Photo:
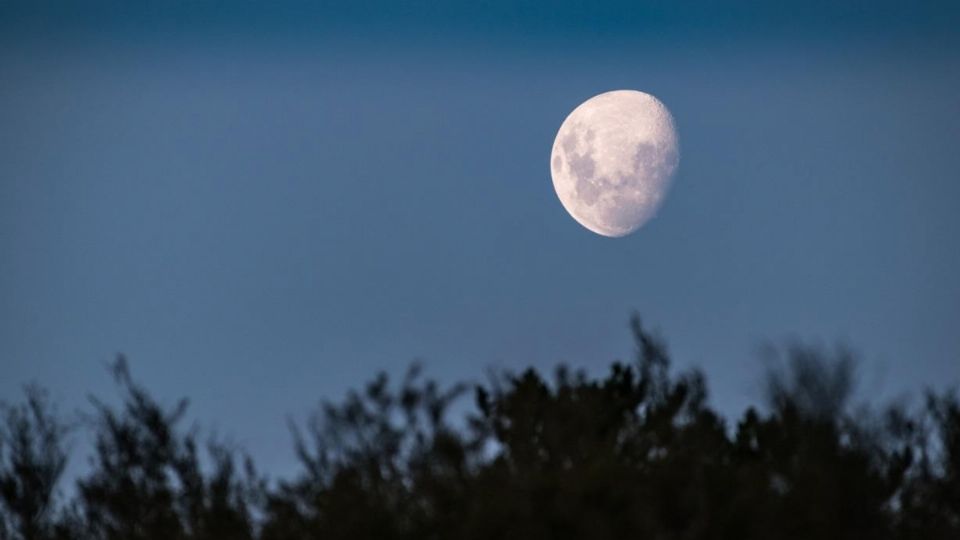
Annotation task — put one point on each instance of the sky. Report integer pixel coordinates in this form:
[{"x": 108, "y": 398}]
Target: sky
[{"x": 264, "y": 204}]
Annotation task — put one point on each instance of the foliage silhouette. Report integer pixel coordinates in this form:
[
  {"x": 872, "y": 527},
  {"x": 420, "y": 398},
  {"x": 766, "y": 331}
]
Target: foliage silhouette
[
  {"x": 32, "y": 459},
  {"x": 637, "y": 453}
]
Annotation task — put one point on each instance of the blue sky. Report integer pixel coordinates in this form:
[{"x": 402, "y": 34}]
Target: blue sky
[{"x": 263, "y": 207}]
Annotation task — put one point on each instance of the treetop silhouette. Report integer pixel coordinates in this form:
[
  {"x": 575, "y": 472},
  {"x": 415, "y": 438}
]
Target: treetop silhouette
[{"x": 637, "y": 453}]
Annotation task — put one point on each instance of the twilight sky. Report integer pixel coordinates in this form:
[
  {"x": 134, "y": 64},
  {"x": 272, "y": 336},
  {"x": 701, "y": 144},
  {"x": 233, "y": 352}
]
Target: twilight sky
[{"x": 263, "y": 206}]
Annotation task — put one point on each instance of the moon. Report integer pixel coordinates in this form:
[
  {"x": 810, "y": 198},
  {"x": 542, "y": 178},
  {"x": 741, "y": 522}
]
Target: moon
[{"x": 613, "y": 159}]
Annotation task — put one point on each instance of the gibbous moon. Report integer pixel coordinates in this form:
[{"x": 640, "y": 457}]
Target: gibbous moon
[{"x": 613, "y": 160}]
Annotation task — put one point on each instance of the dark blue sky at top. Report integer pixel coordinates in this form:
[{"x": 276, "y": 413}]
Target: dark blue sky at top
[{"x": 262, "y": 205}]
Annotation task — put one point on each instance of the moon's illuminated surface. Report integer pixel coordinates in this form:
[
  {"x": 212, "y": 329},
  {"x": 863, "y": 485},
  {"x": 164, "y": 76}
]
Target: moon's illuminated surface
[{"x": 613, "y": 160}]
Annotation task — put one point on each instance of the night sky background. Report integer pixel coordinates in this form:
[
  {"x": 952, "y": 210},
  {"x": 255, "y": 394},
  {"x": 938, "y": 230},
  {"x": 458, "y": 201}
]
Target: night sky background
[{"x": 262, "y": 204}]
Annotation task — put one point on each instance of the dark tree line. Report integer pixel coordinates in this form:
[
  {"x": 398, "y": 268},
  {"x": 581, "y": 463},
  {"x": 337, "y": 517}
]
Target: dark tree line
[{"x": 637, "y": 453}]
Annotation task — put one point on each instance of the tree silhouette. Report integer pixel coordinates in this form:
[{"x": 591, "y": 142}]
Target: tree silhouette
[
  {"x": 148, "y": 481},
  {"x": 637, "y": 453},
  {"x": 32, "y": 459}
]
